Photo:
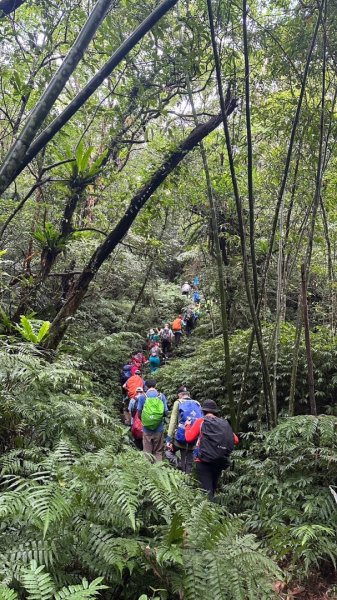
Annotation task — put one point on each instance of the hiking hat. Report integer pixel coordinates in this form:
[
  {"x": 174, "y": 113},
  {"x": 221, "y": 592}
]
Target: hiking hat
[
  {"x": 182, "y": 390},
  {"x": 137, "y": 371},
  {"x": 210, "y": 406},
  {"x": 139, "y": 389}
]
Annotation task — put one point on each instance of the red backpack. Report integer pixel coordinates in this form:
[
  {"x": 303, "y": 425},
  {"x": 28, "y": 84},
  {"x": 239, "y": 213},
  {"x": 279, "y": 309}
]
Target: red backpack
[{"x": 137, "y": 427}]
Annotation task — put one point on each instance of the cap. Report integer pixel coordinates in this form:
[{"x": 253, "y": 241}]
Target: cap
[
  {"x": 210, "y": 406},
  {"x": 182, "y": 390},
  {"x": 139, "y": 389},
  {"x": 137, "y": 371}
]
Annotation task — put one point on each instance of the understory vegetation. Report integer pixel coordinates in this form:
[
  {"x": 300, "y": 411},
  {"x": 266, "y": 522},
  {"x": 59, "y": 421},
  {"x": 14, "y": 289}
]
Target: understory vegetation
[{"x": 142, "y": 145}]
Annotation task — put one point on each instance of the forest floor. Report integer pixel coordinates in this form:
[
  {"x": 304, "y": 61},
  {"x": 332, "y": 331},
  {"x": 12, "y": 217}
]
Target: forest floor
[{"x": 315, "y": 589}]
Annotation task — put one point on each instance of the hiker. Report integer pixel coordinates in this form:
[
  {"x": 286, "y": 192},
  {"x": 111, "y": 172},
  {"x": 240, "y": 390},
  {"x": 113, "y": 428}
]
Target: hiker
[
  {"x": 177, "y": 328},
  {"x": 138, "y": 360},
  {"x": 154, "y": 358},
  {"x": 150, "y": 339},
  {"x": 125, "y": 374},
  {"x": 133, "y": 383},
  {"x": 196, "y": 282},
  {"x": 196, "y": 297},
  {"x": 183, "y": 409},
  {"x": 215, "y": 443},
  {"x": 135, "y": 422},
  {"x": 185, "y": 288},
  {"x": 152, "y": 409},
  {"x": 166, "y": 336},
  {"x": 189, "y": 319}
]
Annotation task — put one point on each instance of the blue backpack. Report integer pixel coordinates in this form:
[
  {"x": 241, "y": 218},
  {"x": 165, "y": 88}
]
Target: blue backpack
[{"x": 187, "y": 409}]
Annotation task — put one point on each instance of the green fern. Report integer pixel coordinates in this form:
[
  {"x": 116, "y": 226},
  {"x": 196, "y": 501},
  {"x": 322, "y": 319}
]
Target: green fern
[
  {"x": 78, "y": 592},
  {"x": 37, "y": 582},
  {"x": 7, "y": 594}
]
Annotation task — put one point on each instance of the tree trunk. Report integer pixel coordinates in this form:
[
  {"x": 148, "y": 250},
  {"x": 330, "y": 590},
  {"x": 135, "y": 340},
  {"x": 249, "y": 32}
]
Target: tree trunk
[
  {"x": 249, "y": 154},
  {"x": 219, "y": 261},
  {"x": 80, "y": 287},
  {"x": 47, "y": 134},
  {"x": 16, "y": 155},
  {"x": 311, "y": 381},
  {"x": 297, "y": 343},
  {"x": 256, "y": 324},
  {"x": 147, "y": 275}
]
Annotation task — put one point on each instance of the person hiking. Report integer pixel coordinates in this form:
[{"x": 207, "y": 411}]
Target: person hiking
[
  {"x": 152, "y": 409},
  {"x": 177, "y": 328},
  {"x": 196, "y": 297},
  {"x": 185, "y": 288},
  {"x": 189, "y": 321},
  {"x": 125, "y": 374},
  {"x": 133, "y": 383},
  {"x": 154, "y": 358},
  {"x": 215, "y": 443},
  {"x": 138, "y": 360},
  {"x": 166, "y": 336},
  {"x": 183, "y": 409},
  {"x": 135, "y": 422},
  {"x": 196, "y": 282},
  {"x": 150, "y": 339}
]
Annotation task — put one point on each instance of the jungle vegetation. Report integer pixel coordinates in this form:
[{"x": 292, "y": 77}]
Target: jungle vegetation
[{"x": 143, "y": 143}]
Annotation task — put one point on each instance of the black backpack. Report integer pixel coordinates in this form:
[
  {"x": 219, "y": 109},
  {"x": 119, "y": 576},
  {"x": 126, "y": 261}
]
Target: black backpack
[{"x": 216, "y": 440}]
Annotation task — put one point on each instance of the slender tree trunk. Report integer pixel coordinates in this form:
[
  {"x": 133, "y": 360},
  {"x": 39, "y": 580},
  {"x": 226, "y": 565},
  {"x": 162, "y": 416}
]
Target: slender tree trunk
[
  {"x": 290, "y": 150},
  {"x": 16, "y": 155},
  {"x": 330, "y": 267},
  {"x": 48, "y": 133},
  {"x": 311, "y": 381},
  {"x": 80, "y": 287},
  {"x": 147, "y": 275},
  {"x": 219, "y": 261},
  {"x": 281, "y": 191},
  {"x": 279, "y": 293},
  {"x": 249, "y": 154},
  {"x": 270, "y": 412},
  {"x": 297, "y": 343}
]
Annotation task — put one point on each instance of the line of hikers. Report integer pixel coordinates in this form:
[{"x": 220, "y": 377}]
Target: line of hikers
[
  {"x": 195, "y": 431},
  {"x": 159, "y": 341}
]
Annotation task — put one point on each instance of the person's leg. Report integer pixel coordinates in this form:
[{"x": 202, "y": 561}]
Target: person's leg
[
  {"x": 186, "y": 460},
  {"x": 217, "y": 469},
  {"x": 216, "y": 472},
  {"x": 205, "y": 477},
  {"x": 164, "y": 347},
  {"x": 158, "y": 445},
  {"x": 147, "y": 442},
  {"x": 138, "y": 444}
]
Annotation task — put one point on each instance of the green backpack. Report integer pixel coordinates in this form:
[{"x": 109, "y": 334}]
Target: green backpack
[{"x": 153, "y": 412}]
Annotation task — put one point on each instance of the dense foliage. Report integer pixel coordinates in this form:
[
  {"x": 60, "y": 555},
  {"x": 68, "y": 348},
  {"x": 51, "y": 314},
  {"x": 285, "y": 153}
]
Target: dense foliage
[{"x": 101, "y": 221}]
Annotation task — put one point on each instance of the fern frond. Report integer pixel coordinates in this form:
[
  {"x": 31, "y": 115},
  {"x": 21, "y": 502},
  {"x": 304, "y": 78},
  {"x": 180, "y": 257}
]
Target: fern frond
[
  {"x": 38, "y": 584},
  {"x": 6, "y": 593}
]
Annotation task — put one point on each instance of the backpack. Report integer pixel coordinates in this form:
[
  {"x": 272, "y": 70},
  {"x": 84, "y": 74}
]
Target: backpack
[
  {"x": 176, "y": 325},
  {"x": 187, "y": 409},
  {"x": 125, "y": 373},
  {"x": 153, "y": 411},
  {"x": 216, "y": 440},
  {"x": 137, "y": 427},
  {"x": 189, "y": 317},
  {"x": 165, "y": 335}
]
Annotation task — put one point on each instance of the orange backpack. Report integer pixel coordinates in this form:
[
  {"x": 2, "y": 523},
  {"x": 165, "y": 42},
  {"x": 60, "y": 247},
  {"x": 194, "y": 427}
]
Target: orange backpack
[{"x": 176, "y": 325}]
